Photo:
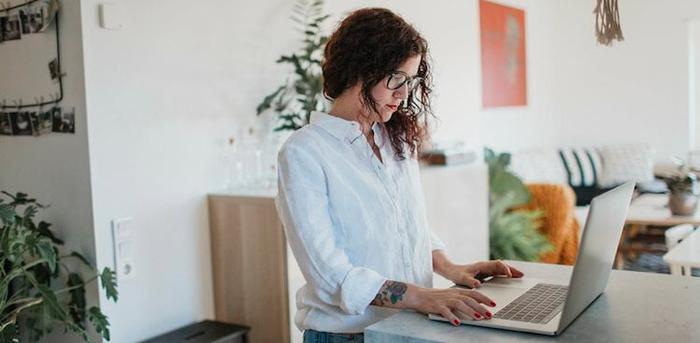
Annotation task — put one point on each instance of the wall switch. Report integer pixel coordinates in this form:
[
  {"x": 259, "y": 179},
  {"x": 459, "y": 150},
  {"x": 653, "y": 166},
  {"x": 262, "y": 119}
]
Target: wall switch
[
  {"x": 123, "y": 248},
  {"x": 111, "y": 16}
]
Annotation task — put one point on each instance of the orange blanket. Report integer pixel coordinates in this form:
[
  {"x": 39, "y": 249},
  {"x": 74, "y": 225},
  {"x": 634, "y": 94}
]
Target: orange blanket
[{"x": 558, "y": 222}]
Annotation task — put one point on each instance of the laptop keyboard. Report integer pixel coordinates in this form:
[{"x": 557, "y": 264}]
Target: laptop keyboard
[{"x": 538, "y": 305}]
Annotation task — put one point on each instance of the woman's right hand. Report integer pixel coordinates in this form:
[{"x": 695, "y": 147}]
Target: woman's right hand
[{"x": 451, "y": 303}]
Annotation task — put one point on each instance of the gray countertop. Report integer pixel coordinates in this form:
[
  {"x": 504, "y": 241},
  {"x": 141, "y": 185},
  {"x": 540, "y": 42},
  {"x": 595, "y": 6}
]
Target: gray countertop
[{"x": 636, "y": 307}]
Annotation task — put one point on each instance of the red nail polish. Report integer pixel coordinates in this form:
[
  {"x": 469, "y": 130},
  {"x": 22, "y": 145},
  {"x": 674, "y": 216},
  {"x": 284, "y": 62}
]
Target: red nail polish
[
  {"x": 488, "y": 314},
  {"x": 455, "y": 322},
  {"x": 493, "y": 303},
  {"x": 477, "y": 315}
]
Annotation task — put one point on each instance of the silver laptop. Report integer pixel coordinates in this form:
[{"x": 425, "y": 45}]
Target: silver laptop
[{"x": 548, "y": 307}]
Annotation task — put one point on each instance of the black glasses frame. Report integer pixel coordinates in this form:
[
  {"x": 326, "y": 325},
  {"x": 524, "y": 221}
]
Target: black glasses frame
[{"x": 413, "y": 82}]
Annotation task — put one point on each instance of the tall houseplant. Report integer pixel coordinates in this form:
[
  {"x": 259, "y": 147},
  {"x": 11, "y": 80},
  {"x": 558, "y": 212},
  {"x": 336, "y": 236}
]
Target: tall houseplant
[
  {"x": 302, "y": 93},
  {"x": 38, "y": 289},
  {"x": 513, "y": 234}
]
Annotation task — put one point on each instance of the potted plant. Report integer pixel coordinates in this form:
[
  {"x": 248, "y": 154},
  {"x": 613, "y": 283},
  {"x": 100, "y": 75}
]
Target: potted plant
[
  {"x": 302, "y": 93},
  {"x": 39, "y": 290},
  {"x": 683, "y": 191},
  {"x": 513, "y": 231}
]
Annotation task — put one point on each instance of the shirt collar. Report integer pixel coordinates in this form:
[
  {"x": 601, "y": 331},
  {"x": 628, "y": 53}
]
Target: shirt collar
[{"x": 340, "y": 128}]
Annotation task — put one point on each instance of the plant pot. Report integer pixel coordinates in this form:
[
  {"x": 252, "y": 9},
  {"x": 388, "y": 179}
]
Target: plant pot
[{"x": 682, "y": 204}]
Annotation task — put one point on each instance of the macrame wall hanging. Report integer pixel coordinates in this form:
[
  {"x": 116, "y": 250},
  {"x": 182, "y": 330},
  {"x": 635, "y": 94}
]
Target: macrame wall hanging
[{"x": 607, "y": 22}]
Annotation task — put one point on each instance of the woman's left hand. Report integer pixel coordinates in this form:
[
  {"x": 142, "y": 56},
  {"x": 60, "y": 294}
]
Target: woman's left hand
[{"x": 465, "y": 275}]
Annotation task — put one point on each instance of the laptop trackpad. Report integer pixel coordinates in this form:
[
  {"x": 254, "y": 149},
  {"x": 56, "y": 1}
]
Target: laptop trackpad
[{"x": 505, "y": 290}]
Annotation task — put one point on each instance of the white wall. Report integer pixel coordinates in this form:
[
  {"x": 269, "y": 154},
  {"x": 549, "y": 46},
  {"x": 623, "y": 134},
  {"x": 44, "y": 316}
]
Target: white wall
[
  {"x": 581, "y": 93},
  {"x": 164, "y": 93},
  {"x": 451, "y": 29},
  {"x": 55, "y": 168}
]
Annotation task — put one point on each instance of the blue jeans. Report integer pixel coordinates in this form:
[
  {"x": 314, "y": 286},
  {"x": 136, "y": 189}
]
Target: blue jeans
[{"x": 311, "y": 336}]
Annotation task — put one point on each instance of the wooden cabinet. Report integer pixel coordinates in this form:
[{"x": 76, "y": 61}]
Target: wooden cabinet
[
  {"x": 249, "y": 266},
  {"x": 256, "y": 276}
]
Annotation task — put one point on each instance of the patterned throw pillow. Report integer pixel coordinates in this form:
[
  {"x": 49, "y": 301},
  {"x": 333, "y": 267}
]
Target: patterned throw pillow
[
  {"x": 582, "y": 166},
  {"x": 622, "y": 163}
]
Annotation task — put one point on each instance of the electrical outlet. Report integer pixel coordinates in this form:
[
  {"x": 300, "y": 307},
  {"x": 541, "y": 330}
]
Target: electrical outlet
[{"x": 123, "y": 248}]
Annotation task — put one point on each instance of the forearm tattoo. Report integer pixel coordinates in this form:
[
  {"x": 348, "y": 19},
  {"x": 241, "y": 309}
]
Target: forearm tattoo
[{"x": 390, "y": 293}]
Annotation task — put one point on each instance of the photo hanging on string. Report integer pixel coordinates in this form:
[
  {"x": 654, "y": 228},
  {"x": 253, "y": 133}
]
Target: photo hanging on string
[
  {"x": 63, "y": 121},
  {"x": 68, "y": 120},
  {"x": 34, "y": 117},
  {"x": 21, "y": 124},
  {"x": 45, "y": 121},
  {"x": 32, "y": 19},
  {"x": 56, "y": 119},
  {"x": 5, "y": 124},
  {"x": 10, "y": 27}
]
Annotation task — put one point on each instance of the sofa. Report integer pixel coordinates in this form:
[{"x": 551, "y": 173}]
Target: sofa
[{"x": 589, "y": 171}]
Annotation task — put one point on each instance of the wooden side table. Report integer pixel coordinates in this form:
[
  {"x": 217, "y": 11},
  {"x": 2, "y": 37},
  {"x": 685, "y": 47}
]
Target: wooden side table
[{"x": 645, "y": 211}]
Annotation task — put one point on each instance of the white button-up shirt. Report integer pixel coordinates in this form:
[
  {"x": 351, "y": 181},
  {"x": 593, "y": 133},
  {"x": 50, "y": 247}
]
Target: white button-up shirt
[{"x": 352, "y": 222}]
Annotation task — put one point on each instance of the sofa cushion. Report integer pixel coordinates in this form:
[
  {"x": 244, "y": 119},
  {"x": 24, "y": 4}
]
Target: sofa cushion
[
  {"x": 622, "y": 163},
  {"x": 582, "y": 166},
  {"x": 538, "y": 165}
]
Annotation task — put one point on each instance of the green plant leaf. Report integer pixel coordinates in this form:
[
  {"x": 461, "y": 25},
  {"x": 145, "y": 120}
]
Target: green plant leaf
[
  {"x": 267, "y": 101},
  {"x": 513, "y": 234},
  {"x": 29, "y": 212},
  {"x": 46, "y": 250},
  {"x": 305, "y": 76},
  {"x": 81, "y": 258},
  {"x": 44, "y": 230},
  {"x": 99, "y": 322},
  {"x": 77, "y": 302},
  {"x": 7, "y": 214},
  {"x": 51, "y": 301},
  {"x": 109, "y": 283}
]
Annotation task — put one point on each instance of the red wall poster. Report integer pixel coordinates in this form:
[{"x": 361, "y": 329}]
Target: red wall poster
[{"x": 503, "y": 68}]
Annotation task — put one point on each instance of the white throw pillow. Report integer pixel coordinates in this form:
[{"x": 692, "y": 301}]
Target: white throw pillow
[
  {"x": 538, "y": 165},
  {"x": 622, "y": 163}
]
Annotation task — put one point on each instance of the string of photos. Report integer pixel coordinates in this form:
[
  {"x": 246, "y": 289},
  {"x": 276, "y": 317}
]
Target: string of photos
[{"x": 44, "y": 115}]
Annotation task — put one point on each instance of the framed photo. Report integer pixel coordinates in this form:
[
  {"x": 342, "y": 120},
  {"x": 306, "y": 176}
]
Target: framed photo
[{"x": 503, "y": 59}]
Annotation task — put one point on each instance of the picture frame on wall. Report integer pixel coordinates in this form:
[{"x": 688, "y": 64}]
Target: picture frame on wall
[{"x": 503, "y": 55}]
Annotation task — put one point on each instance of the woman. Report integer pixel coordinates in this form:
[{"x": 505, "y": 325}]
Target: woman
[{"x": 350, "y": 196}]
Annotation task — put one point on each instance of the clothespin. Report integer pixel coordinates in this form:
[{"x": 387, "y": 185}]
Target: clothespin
[{"x": 39, "y": 103}]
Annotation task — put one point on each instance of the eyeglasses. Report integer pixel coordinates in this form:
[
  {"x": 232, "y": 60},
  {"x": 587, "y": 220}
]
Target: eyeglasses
[{"x": 398, "y": 78}]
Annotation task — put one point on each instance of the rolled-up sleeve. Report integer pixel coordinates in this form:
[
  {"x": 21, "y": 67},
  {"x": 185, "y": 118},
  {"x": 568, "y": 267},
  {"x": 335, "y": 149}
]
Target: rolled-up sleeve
[
  {"x": 436, "y": 243},
  {"x": 303, "y": 206}
]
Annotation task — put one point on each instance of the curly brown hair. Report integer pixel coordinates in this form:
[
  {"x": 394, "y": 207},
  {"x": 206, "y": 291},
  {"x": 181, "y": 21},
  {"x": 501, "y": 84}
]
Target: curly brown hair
[{"x": 367, "y": 45}]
